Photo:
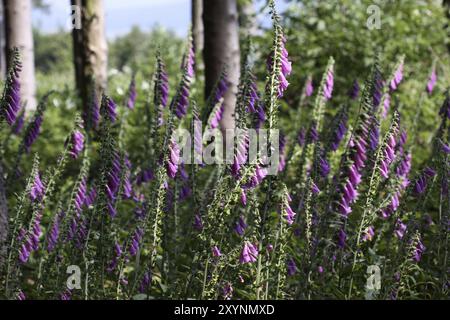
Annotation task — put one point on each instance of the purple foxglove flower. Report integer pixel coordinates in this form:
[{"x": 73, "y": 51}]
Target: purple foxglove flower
[
  {"x": 400, "y": 229},
  {"x": 135, "y": 241},
  {"x": 386, "y": 105},
  {"x": 115, "y": 260},
  {"x": 320, "y": 269},
  {"x": 114, "y": 176},
  {"x": 314, "y": 188},
  {"x": 227, "y": 291},
  {"x": 18, "y": 125},
  {"x": 249, "y": 253},
  {"x": 240, "y": 226},
  {"x": 80, "y": 196},
  {"x": 217, "y": 116},
  {"x": 12, "y": 92},
  {"x": 185, "y": 192},
  {"x": 289, "y": 214},
  {"x": 37, "y": 189},
  {"x": 422, "y": 182},
  {"x": 309, "y": 89},
  {"x": 398, "y": 76},
  {"x": 301, "y": 137},
  {"x": 33, "y": 132},
  {"x": 418, "y": 251},
  {"x": 261, "y": 117},
  {"x": 269, "y": 247},
  {"x": 145, "y": 282},
  {"x": 161, "y": 85},
  {"x": 354, "y": 91},
  {"x": 329, "y": 83},
  {"x": 252, "y": 97},
  {"x": 174, "y": 159},
  {"x": 21, "y": 296},
  {"x": 216, "y": 251},
  {"x": 198, "y": 224},
  {"x": 111, "y": 109},
  {"x": 132, "y": 94},
  {"x": 374, "y": 137},
  {"x": 220, "y": 90},
  {"x": 241, "y": 155},
  {"x": 368, "y": 234},
  {"x": 377, "y": 92},
  {"x": 24, "y": 253},
  {"x": 90, "y": 198},
  {"x": 291, "y": 267},
  {"x": 313, "y": 134},
  {"x": 76, "y": 144},
  {"x": 431, "y": 81},
  {"x": 244, "y": 198},
  {"x": 53, "y": 233},
  {"x": 182, "y": 99},
  {"x": 66, "y": 295},
  {"x": 342, "y": 237},
  {"x": 144, "y": 176},
  {"x": 344, "y": 207},
  {"x": 285, "y": 66},
  {"x": 190, "y": 62},
  {"x": 324, "y": 167},
  {"x": 339, "y": 134},
  {"x": 111, "y": 210},
  {"x": 446, "y": 148},
  {"x": 257, "y": 178}
]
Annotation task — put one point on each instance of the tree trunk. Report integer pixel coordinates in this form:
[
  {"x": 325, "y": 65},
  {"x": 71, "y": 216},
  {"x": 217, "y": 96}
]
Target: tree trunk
[
  {"x": 197, "y": 26},
  {"x": 19, "y": 33},
  {"x": 90, "y": 49},
  {"x": 221, "y": 49}
]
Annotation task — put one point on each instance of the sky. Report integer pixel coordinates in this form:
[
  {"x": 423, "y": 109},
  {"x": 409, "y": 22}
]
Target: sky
[{"x": 122, "y": 15}]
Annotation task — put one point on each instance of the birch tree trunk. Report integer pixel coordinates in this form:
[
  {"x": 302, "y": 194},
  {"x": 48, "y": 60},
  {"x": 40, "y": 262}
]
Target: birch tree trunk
[
  {"x": 90, "y": 49},
  {"x": 221, "y": 49},
  {"x": 19, "y": 33}
]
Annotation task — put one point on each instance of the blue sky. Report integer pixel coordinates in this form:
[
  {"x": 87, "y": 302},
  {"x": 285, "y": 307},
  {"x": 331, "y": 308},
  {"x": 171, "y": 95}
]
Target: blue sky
[{"x": 122, "y": 15}]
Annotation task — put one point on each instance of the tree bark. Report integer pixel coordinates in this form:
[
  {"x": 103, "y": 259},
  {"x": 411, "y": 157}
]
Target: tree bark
[
  {"x": 221, "y": 50},
  {"x": 19, "y": 33},
  {"x": 90, "y": 49},
  {"x": 247, "y": 18},
  {"x": 197, "y": 26}
]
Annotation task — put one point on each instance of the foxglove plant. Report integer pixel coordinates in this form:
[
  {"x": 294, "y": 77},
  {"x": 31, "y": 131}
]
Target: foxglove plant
[{"x": 11, "y": 94}]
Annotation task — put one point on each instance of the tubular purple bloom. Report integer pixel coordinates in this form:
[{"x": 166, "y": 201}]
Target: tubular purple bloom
[
  {"x": 377, "y": 92},
  {"x": 285, "y": 66},
  {"x": 12, "y": 91},
  {"x": 244, "y": 198},
  {"x": 354, "y": 91},
  {"x": 339, "y": 133},
  {"x": 53, "y": 233},
  {"x": 135, "y": 241},
  {"x": 174, "y": 159},
  {"x": 324, "y": 167},
  {"x": 161, "y": 85},
  {"x": 242, "y": 142},
  {"x": 182, "y": 99},
  {"x": 111, "y": 109},
  {"x": 76, "y": 144},
  {"x": 33, "y": 132},
  {"x": 21, "y": 296},
  {"x": 18, "y": 125},
  {"x": 198, "y": 224},
  {"x": 37, "y": 189},
  {"x": 422, "y": 181},
  {"x": 132, "y": 94},
  {"x": 386, "y": 105},
  {"x": 80, "y": 197},
  {"x": 291, "y": 267},
  {"x": 374, "y": 137},
  {"x": 313, "y": 134},
  {"x": 115, "y": 260},
  {"x": 114, "y": 176},
  {"x": 216, "y": 251},
  {"x": 282, "y": 153},
  {"x": 240, "y": 226},
  {"x": 301, "y": 137},
  {"x": 398, "y": 76},
  {"x": 328, "y": 86},
  {"x": 111, "y": 209},
  {"x": 309, "y": 89},
  {"x": 227, "y": 291},
  {"x": 90, "y": 199},
  {"x": 261, "y": 116},
  {"x": 418, "y": 251},
  {"x": 431, "y": 81},
  {"x": 145, "y": 282},
  {"x": 314, "y": 188},
  {"x": 249, "y": 253},
  {"x": 446, "y": 148},
  {"x": 368, "y": 234},
  {"x": 342, "y": 237},
  {"x": 400, "y": 229},
  {"x": 445, "y": 109}
]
